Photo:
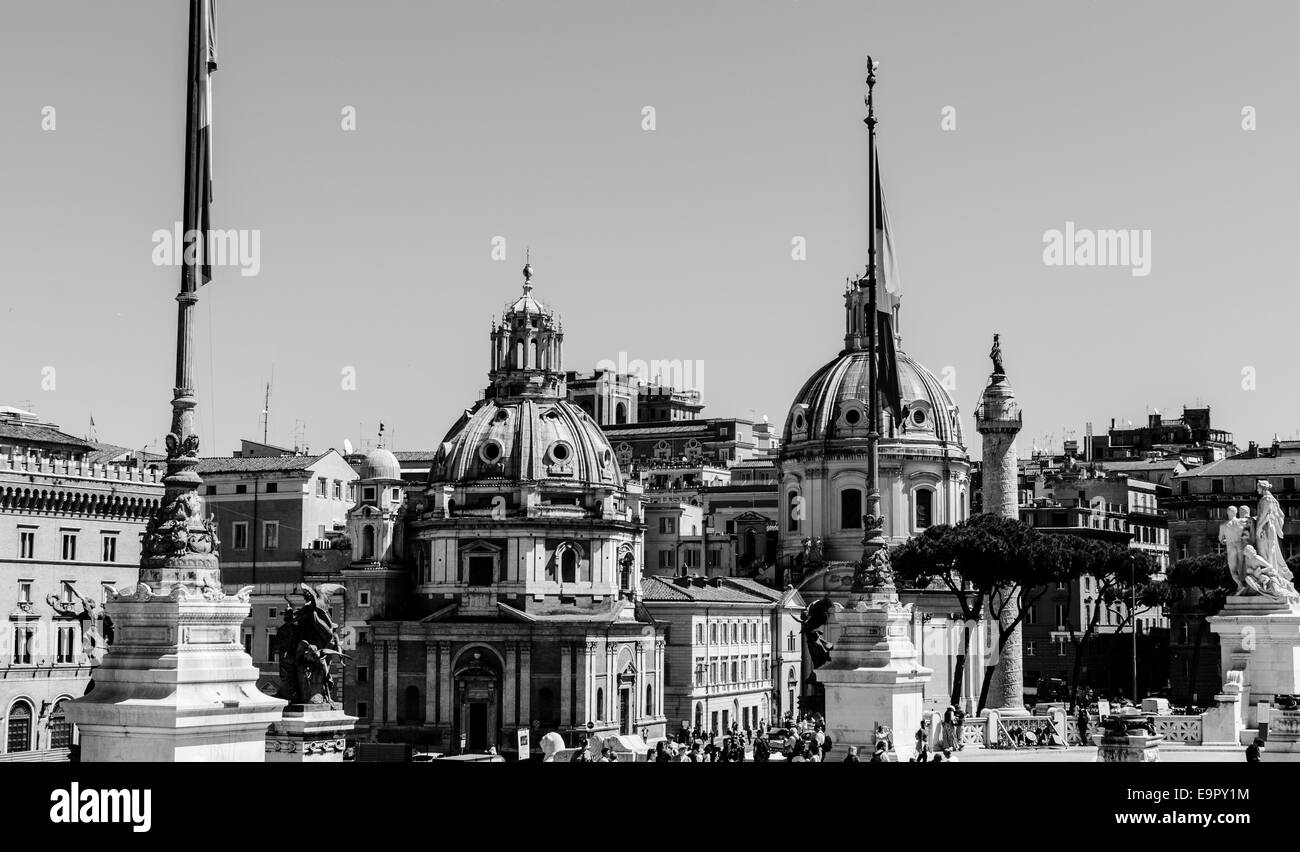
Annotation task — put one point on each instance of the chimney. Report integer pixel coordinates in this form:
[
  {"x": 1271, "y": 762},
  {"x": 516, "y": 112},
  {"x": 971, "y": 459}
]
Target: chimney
[
  {"x": 697, "y": 580},
  {"x": 715, "y": 582},
  {"x": 681, "y": 580}
]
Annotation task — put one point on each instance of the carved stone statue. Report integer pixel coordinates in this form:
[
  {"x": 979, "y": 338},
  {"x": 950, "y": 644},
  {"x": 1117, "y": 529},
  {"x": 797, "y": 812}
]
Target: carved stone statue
[
  {"x": 815, "y": 616},
  {"x": 996, "y": 354},
  {"x": 874, "y": 572},
  {"x": 1269, "y": 520},
  {"x": 86, "y": 611},
  {"x": 306, "y": 645},
  {"x": 1234, "y": 535},
  {"x": 1264, "y": 578}
]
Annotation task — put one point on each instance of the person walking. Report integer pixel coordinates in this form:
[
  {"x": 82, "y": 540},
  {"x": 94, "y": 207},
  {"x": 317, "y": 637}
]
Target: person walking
[
  {"x": 922, "y": 743},
  {"x": 881, "y": 754},
  {"x": 950, "y": 727},
  {"x": 1084, "y": 739},
  {"x": 852, "y": 756}
]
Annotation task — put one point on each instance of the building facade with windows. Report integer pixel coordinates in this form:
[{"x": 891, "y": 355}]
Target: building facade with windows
[
  {"x": 69, "y": 530},
  {"x": 729, "y": 657}
]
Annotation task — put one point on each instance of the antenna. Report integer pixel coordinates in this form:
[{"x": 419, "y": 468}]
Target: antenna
[{"x": 266, "y": 407}]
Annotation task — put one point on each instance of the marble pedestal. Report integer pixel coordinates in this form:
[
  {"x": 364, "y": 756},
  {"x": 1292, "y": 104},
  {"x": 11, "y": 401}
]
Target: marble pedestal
[
  {"x": 309, "y": 733},
  {"x": 874, "y": 676},
  {"x": 175, "y": 685},
  {"x": 1129, "y": 748},
  {"x": 1259, "y": 644},
  {"x": 1283, "y": 745}
]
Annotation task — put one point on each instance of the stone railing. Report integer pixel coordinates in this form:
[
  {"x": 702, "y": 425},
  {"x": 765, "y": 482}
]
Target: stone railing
[{"x": 1181, "y": 729}]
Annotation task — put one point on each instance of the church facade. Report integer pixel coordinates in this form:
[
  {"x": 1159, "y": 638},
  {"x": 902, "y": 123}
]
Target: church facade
[{"x": 521, "y": 608}]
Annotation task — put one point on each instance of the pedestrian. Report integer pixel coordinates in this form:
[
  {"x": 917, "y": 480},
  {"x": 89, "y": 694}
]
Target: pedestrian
[
  {"x": 959, "y": 716},
  {"x": 852, "y": 756},
  {"x": 949, "y": 756},
  {"x": 922, "y": 743},
  {"x": 761, "y": 750},
  {"x": 661, "y": 754},
  {"x": 827, "y": 745},
  {"x": 950, "y": 727},
  {"x": 1084, "y": 739},
  {"x": 881, "y": 754},
  {"x": 1252, "y": 751}
]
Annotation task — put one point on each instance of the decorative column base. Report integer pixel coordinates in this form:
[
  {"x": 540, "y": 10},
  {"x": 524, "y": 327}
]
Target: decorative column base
[
  {"x": 874, "y": 676},
  {"x": 176, "y": 685},
  {"x": 1283, "y": 744},
  {"x": 309, "y": 733},
  {"x": 1258, "y": 642},
  {"x": 1129, "y": 748}
]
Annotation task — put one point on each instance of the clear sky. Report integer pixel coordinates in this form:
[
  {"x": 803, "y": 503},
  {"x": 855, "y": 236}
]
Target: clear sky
[{"x": 524, "y": 120}]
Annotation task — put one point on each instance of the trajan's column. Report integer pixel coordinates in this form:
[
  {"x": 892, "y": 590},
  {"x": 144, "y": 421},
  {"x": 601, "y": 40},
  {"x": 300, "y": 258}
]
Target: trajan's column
[{"x": 998, "y": 420}]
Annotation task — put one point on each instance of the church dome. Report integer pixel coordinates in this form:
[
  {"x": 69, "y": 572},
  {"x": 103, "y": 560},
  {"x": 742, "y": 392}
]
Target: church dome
[
  {"x": 833, "y": 404},
  {"x": 528, "y": 439},
  {"x": 380, "y": 464}
]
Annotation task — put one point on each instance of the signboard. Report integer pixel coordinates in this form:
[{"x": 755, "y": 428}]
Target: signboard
[
  {"x": 522, "y": 736},
  {"x": 1103, "y": 707}
]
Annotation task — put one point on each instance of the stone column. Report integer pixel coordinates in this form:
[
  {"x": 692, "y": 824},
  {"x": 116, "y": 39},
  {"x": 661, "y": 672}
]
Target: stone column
[
  {"x": 390, "y": 685},
  {"x": 445, "y": 690},
  {"x": 525, "y": 685},
  {"x": 508, "y": 717},
  {"x": 430, "y": 682},
  {"x": 566, "y": 683},
  {"x": 998, "y": 420}
]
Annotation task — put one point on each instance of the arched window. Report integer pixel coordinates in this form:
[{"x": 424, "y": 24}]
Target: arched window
[
  {"x": 568, "y": 565},
  {"x": 367, "y": 542},
  {"x": 751, "y": 539},
  {"x": 699, "y": 634},
  {"x": 413, "y": 707},
  {"x": 519, "y": 355},
  {"x": 620, "y": 413},
  {"x": 18, "y": 734},
  {"x": 649, "y": 700},
  {"x": 699, "y": 715},
  {"x": 850, "y": 509},
  {"x": 600, "y": 704},
  {"x": 794, "y": 512},
  {"x": 60, "y": 727},
  {"x": 532, "y": 355},
  {"x": 924, "y": 507},
  {"x": 451, "y": 508},
  {"x": 663, "y": 450}
]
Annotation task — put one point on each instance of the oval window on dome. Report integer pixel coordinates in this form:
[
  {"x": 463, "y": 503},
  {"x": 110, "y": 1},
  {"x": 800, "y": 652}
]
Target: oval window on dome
[
  {"x": 490, "y": 452},
  {"x": 853, "y": 417},
  {"x": 561, "y": 451},
  {"x": 502, "y": 416},
  {"x": 798, "y": 421},
  {"x": 918, "y": 417},
  {"x": 607, "y": 457}
]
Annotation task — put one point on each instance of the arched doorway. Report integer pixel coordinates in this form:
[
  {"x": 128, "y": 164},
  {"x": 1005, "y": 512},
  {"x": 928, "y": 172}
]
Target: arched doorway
[
  {"x": 478, "y": 701},
  {"x": 367, "y": 542}
]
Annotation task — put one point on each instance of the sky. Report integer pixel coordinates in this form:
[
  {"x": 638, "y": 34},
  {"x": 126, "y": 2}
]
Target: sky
[{"x": 524, "y": 120}]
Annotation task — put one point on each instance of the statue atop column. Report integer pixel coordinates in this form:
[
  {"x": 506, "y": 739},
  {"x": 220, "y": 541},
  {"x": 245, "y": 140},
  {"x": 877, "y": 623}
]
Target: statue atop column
[
  {"x": 996, "y": 355},
  {"x": 1234, "y": 535}
]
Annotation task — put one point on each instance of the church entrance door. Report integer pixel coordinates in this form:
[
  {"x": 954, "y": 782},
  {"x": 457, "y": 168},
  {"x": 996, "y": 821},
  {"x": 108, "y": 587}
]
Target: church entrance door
[
  {"x": 478, "y": 723},
  {"x": 625, "y": 711}
]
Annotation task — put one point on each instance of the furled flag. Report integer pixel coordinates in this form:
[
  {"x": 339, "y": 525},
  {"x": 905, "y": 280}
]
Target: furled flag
[
  {"x": 887, "y": 299},
  {"x": 198, "y": 143}
]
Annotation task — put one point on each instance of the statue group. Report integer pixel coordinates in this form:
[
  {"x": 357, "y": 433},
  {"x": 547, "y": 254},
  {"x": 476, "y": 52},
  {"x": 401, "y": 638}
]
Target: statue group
[
  {"x": 1254, "y": 550},
  {"x": 306, "y": 645}
]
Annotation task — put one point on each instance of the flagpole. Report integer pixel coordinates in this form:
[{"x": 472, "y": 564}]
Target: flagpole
[
  {"x": 873, "y": 540},
  {"x": 180, "y": 546}
]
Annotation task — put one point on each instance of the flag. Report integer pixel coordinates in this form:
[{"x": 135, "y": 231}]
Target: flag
[
  {"x": 888, "y": 295},
  {"x": 889, "y": 290},
  {"x": 198, "y": 143}
]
